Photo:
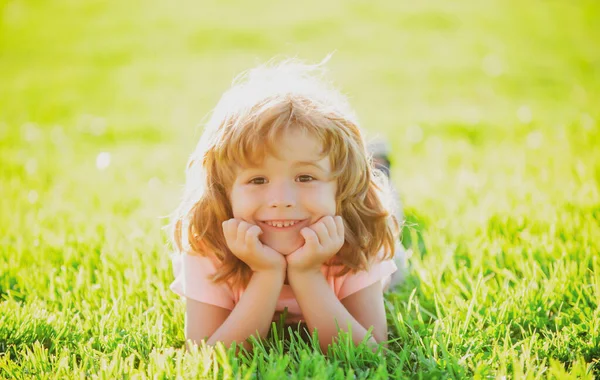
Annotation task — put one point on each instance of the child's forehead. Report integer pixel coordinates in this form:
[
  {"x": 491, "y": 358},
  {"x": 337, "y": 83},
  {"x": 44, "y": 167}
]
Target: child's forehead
[
  {"x": 289, "y": 145},
  {"x": 280, "y": 156},
  {"x": 298, "y": 140}
]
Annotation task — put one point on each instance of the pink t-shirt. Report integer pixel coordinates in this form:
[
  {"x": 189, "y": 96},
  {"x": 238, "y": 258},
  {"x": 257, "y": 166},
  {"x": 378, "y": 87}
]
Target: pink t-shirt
[{"x": 192, "y": 281}]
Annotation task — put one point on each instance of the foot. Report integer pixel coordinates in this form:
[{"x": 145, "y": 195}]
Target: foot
[{"x": 380, "y": 151}]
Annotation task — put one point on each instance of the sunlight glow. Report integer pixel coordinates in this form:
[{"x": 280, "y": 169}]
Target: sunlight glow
[
  {"x": 524, "y": 114},
  {"x": 32, "y": 197},
  {"x": 414, "y": 134},
  {"x": 492, "y": 65}
]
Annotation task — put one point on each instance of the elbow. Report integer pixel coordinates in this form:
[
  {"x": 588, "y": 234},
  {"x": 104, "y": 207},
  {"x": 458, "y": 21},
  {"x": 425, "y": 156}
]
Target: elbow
[
  {"x": 380, "y": 340},
  {"x": 377, "y": 339},
  {"x": 324, "y": 346},
  {"x": 374, "y": 345},
  {"x": 327, "y": 343}
]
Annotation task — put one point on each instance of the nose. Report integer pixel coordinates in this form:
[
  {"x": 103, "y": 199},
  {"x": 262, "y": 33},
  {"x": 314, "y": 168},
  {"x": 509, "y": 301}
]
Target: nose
[{"x": 281, "y": 195}]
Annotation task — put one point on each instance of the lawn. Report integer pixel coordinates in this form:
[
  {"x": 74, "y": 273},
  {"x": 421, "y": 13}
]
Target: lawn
[{"x": 492, "y": 109}]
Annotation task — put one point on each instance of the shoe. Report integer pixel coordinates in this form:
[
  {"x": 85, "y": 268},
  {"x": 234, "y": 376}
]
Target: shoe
[{"x": 380, "y": 151}]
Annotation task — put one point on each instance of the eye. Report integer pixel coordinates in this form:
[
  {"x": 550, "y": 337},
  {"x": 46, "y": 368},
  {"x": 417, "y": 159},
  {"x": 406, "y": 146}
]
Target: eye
[
  {"x": 305, "y": 178},
  {"x": 258, "y": 181}
]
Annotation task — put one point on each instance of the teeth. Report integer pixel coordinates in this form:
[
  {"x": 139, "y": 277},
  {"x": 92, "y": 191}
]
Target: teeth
[{"x": 286, "y": 223}]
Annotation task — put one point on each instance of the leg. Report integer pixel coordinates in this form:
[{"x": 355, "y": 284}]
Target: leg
[{"x": 381, "y": 160}]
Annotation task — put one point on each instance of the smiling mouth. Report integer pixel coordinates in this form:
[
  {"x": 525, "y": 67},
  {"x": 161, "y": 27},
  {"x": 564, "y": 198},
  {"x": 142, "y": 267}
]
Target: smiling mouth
[{"x": 282, "y": 223}]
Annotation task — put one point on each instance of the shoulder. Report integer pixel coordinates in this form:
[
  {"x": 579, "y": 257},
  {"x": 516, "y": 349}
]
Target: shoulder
[
  {"x": 193, "y": 279},
  {"x": 350, "y": 283},
  {"x": 187, "y": 262}
]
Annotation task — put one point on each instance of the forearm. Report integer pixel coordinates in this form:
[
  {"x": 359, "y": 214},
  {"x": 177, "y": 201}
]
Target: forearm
[
  {"x": 254, "y": 311},
  {"x": 325, "y": 313}
]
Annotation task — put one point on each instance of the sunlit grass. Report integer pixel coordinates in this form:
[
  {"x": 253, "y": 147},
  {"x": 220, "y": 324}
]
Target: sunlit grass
[{"x": 492, "y": 112}]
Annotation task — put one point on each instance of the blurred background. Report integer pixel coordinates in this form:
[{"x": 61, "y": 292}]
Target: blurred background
[
  {"x": 100, "y": 101},
  {"x": 491, "y": 108}
]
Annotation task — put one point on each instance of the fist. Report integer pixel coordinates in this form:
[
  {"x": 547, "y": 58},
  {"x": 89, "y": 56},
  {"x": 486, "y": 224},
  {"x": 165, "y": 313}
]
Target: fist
[
  {"x": 242, "y": 239},
  {"x": 322, "y": 241}
]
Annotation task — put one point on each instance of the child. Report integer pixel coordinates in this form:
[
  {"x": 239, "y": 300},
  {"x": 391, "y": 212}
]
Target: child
[{"x": 283, "y": 211}]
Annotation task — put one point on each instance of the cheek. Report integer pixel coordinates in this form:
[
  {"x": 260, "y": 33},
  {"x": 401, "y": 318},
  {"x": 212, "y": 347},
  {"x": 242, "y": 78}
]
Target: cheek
[
  {"x": 328, "y": 203},
  {"x": 235, "y": 198},
  {"x": 322, "y": 201},
  {"x": 243, "y": 203}
]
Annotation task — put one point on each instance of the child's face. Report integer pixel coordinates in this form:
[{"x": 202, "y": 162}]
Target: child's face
[{"x": 283, "y": 195}]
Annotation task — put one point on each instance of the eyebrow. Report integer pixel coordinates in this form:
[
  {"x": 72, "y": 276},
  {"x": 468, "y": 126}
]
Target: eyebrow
[{"x": 309, "y": 163}]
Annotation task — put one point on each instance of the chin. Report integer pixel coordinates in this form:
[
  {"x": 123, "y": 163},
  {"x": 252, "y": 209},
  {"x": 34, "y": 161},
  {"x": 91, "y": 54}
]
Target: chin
[{"x": 285, "y": 248}]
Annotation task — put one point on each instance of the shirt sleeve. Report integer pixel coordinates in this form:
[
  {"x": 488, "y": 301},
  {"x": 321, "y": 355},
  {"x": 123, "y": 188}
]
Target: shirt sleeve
[
  {"x": 192, "y": 281},
  {"x": 353, "y": 282}
]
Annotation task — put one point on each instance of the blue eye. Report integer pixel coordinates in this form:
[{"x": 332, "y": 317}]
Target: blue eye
[
  {"x": 305, "y": 178},
  {"x": 258, "y": 181}
]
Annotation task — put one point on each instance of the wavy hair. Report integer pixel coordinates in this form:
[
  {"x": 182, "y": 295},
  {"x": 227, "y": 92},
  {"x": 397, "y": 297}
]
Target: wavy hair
[{"x": 245, "y": 125}]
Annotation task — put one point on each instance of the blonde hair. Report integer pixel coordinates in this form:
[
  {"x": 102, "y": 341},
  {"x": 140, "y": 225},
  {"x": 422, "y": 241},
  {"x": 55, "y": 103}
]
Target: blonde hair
[{"x": 245, "y": 125}]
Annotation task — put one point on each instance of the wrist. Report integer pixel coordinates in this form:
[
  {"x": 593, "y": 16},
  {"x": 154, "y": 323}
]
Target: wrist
[
  {"x": 303, "y": 269},
  {"x": 298, "y": 275},
  {"x": 274, "y": 266},
  {"x": 274, "y": 272}
]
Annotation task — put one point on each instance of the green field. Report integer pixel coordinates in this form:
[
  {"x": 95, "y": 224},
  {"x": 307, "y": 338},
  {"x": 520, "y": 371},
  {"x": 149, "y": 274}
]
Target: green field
[{"x": 493, "y": 112}]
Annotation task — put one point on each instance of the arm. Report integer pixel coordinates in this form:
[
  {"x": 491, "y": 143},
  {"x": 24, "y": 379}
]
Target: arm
[
  {"x": 361, "y": 310},
  {"x": 254, "y": 311},
  {"x": 320, "y": 306},
  {"x": 252, "y": 314}
]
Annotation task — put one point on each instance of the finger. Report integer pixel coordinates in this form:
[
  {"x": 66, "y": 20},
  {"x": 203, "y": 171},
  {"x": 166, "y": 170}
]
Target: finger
[
  {"x": 322, "y": 233},
  {"x": 329, "y": 222},
  {"x": 339, "y": 224},
  {"x": 311, "y": 240},
  {"x": 252, "y": 241},
  {"x": 241, "y": 231},
  {"x": 230, "y": 230}
]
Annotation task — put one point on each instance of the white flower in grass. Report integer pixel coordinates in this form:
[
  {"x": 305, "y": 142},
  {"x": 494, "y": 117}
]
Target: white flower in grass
[{"x": 103, "y": 160}]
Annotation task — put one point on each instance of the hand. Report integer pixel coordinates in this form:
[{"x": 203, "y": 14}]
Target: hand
[
  {"x": 242, "y": 239},
  {"x": 322, "y": 241}
]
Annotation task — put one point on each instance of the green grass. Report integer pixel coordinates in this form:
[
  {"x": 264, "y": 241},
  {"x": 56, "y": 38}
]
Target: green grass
[{"x": 493, "y": 112}]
